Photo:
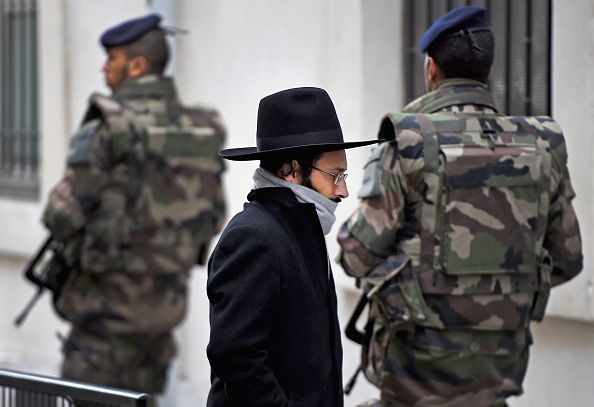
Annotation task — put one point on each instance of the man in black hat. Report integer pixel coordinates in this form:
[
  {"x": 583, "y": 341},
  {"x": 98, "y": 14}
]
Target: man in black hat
[
  {"x": 274, "y": 334},
  {"x": 460, "y": 233},
  {"x": 134, "y": 212}
]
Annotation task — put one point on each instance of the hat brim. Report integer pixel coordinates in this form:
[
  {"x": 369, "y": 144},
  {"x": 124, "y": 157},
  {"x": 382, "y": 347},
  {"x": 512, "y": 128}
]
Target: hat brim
[{"x": 252, "y": 153}]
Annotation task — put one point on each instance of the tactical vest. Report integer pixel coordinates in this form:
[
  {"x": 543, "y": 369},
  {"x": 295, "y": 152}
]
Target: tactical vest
[
  {"x": 483, "y": 217},
  {"x": 163, "y": 197}
]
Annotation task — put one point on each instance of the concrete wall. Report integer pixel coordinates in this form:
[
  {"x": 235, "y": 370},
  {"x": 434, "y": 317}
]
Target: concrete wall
[
  {"x": 237, "y": 52},
  {"x": 560, "y": 371}
]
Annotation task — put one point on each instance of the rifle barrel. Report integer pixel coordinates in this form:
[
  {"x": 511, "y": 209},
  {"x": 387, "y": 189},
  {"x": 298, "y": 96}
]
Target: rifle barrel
[{"x": 21, "y": 317}]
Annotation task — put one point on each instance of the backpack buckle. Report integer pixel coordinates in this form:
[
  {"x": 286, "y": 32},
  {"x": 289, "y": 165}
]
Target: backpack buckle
[{"x": 491, "y": 135}]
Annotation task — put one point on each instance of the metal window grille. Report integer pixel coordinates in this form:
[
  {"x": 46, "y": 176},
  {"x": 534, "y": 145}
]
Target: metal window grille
[
  {"x": 521, "y": 81},
  {"x": 27, "y": 390},
  {"x": 19, "y": 127}
]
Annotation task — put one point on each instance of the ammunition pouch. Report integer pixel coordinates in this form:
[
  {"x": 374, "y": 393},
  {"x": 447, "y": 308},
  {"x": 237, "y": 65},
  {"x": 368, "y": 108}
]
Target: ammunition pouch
[
  {"x": 395, "y": 304},
  {"x": 396, "y": 291}
]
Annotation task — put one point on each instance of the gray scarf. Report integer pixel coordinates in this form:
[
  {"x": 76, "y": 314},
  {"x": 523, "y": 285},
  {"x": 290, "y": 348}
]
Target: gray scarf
[{"x": 324, "y": 206}]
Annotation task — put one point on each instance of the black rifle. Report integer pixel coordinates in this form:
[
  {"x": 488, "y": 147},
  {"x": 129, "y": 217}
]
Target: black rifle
[{"x": 50, "y": 275}]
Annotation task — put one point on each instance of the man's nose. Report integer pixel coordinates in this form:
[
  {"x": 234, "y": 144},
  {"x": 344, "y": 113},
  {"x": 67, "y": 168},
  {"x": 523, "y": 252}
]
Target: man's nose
[{"x": 341, "y": 189}]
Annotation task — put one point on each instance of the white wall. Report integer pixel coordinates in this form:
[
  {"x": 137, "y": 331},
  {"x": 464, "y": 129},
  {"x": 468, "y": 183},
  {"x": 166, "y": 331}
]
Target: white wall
[
  {"x": 237, "y": 52},
  {"x": 560, "y": 370},
  {"x": 573, "y": 83}
]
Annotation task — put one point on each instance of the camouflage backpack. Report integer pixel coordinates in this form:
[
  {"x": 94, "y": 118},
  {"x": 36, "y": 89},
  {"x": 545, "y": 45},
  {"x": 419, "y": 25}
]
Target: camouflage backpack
[
  {"x": 164, "y": 201},
  {"x": 483, "y": 219}
]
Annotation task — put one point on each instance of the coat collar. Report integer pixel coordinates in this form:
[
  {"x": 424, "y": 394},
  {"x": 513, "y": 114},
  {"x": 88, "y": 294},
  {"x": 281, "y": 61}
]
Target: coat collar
[
  {"x": 279, "y": 196},
  {"x": 301, "y": 219},
  {"x": 452, "y": 92},
  {"x": 147, "y": 86}
]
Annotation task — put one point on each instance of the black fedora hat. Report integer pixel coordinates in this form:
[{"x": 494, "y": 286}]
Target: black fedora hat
[{"x": 300, "y": 119}]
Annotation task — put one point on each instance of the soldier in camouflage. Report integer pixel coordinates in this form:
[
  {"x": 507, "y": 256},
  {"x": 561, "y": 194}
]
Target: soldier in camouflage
[
  {"x": 465, "y": 224},
  {"x": 139, "y": 202}
]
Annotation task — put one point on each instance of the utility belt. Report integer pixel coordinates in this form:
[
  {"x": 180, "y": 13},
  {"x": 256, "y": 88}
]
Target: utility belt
[{"x": 404, "y": 295}]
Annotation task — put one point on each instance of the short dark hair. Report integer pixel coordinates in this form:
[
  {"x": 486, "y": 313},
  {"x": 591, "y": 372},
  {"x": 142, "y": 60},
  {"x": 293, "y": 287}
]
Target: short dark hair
[
  {"x": 457, "y": 57},
  {"x": 306, "y": 160},
  {"x": 152, "y": 46}
]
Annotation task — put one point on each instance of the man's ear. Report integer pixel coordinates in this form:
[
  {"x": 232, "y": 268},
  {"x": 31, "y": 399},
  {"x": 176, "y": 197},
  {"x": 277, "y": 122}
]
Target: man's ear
[
  {"x": 137, "y": 67},
  {"x": 294, "y": 175}
]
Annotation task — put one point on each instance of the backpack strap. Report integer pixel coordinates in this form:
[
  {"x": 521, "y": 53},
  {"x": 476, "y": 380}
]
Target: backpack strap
[
  {"x": 429, "y": 212},
  {"x": 544, "y": 146}
]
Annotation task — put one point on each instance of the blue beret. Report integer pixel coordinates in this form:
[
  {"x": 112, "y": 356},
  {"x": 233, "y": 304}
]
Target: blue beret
[
  {"x": 130, "y": 30},
  {"x": 467, "y": 17}
]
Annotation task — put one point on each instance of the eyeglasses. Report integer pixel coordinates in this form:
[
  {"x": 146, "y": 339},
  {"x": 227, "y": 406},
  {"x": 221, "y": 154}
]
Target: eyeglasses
[{"x": 337, "y": 177}]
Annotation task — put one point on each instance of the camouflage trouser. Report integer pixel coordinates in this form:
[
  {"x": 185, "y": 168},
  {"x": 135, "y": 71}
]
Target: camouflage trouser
[{"x": 136, "y": 362}]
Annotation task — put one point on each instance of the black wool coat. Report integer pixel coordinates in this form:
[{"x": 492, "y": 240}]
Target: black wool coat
[{"x": 274, "y": 333}]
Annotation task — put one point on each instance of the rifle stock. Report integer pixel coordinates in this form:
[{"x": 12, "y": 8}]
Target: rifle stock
[
  {"x": 39, "y": 280},
  {"x": 351, "y": 330},
  {"x": 359, "y": 337}
]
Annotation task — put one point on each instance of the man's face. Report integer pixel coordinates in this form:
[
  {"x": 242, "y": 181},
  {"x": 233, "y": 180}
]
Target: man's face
[
  {"x": 335, "y": 163},
  {"x": 116, "y": 67}
]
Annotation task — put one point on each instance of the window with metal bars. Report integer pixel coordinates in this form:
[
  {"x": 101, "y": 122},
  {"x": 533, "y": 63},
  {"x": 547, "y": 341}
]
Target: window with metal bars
[
  {"x": 521, "y": 80},
  {"x": 19, "y": 125}
]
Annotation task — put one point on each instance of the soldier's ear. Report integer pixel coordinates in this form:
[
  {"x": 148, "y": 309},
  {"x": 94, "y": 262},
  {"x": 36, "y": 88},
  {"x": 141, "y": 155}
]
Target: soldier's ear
[
  {"x": 137, "y": 67},
  {"x": 432, "y": 69},
  {"x": 432, "y": 72}
]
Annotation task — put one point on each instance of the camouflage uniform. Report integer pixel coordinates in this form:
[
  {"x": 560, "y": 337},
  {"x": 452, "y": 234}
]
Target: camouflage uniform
[
  {"x": 457, "y": 260},
  {"x": 139, "y": 202}
]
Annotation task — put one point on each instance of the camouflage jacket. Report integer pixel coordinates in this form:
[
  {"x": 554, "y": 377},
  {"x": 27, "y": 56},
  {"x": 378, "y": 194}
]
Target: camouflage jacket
[
  {"x": 452, "y": 317},
  {"x": 141, "y": 196}
]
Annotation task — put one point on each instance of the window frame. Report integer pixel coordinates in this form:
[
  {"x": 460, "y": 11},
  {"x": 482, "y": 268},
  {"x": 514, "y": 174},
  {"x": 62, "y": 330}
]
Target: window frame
[
  {"x": 521, "y": 80},
  {"x": 19, "y": 100}
]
